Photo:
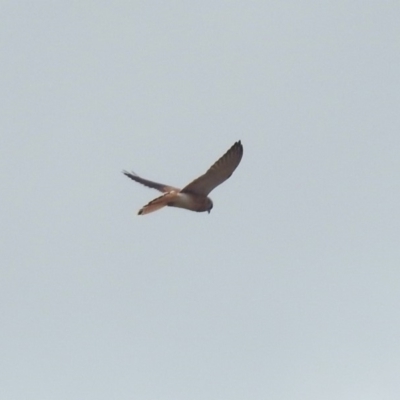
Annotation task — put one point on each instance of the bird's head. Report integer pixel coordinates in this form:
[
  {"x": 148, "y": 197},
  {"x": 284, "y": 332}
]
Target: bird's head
[{"x": 209, "y": 205}]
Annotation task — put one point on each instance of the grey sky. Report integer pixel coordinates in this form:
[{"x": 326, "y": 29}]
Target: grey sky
[{"x": 289, "y": 289}]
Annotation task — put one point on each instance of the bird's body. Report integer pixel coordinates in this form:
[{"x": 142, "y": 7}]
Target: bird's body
[{"x": 194, "y": 196}]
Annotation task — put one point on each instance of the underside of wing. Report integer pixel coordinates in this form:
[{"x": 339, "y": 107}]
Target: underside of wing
[
  {"x": 154, "y": 185},
  {"x": 218, "y": 173}
]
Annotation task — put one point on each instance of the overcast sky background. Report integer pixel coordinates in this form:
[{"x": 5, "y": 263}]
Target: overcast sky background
[{"x": 289, "y": 289}]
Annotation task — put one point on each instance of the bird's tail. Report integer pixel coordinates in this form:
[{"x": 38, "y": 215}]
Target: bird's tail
[{"x": 155, "y": 204}]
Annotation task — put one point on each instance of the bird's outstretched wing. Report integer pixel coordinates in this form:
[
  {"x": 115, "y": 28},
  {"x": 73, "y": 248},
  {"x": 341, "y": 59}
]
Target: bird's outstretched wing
[
  {"x": 154, "y": 185},
  {"x": 218, "y": 173}
]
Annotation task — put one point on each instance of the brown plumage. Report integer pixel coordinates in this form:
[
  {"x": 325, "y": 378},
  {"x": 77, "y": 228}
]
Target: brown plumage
[{"x": 193, "y": 196}]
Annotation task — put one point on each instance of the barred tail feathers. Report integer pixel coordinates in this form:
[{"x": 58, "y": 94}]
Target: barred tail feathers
[{"x": 156, "y": 204}]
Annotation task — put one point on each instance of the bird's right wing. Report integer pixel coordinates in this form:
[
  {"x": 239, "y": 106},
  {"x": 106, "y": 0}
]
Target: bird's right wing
[
  {"x": 154, "y": 185},
  {"x": 219, "y": 172}
]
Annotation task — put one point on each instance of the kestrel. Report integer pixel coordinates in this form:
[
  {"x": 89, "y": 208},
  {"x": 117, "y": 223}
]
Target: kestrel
[{"x": 194, "y": 196}]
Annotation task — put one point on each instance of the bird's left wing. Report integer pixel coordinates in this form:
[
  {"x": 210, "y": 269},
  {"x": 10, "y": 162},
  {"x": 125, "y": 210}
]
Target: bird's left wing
[{"x": 154, "y": 185}]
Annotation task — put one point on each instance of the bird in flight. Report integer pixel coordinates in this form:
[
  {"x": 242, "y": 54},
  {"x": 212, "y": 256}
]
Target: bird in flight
[{"x": 194, "y": 196}]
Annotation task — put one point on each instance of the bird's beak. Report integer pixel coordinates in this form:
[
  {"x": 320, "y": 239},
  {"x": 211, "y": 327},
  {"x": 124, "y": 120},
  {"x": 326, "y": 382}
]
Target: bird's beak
[{"x": 208, "y": 211}]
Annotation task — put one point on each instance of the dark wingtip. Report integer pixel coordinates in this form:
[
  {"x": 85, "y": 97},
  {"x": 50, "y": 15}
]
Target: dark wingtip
[
  {"x": 129, "y": 174},
  {"x": 238, "y": 145},
  {"x": 140, "y": 211}
]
